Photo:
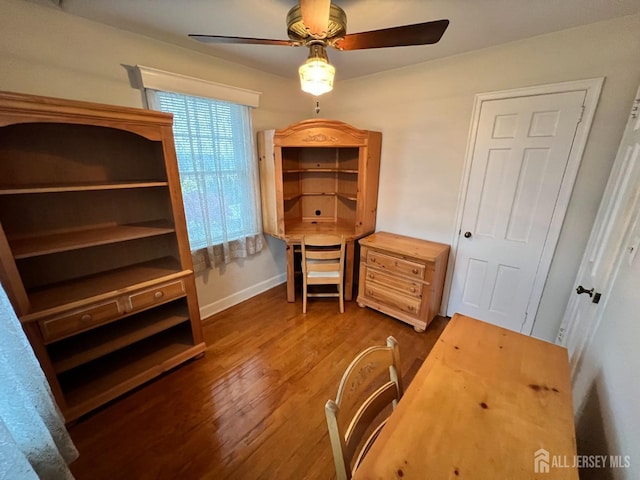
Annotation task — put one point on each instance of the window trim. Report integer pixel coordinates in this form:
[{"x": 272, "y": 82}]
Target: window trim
[{"x": 156, "y": 79}]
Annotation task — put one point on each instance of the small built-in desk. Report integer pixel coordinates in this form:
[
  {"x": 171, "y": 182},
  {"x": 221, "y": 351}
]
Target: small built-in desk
[
  {"x": 486, "y": 403},
  {"x": 293, "y": 238}
]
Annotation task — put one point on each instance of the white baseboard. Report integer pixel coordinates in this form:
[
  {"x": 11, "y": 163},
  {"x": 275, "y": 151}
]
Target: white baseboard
[{"x": 207, "y": 311}]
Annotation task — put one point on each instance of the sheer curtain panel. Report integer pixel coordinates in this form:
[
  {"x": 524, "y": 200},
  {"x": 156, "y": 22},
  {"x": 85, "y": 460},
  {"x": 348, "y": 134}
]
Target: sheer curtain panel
[
  {"x": 218, "y": 176},
  {"x": 33, "y": 440}
]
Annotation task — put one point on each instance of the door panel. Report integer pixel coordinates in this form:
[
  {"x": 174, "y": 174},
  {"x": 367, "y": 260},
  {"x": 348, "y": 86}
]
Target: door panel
[
  {"x": 605, "y": 248},
  {"x": 521, "y": 150}
]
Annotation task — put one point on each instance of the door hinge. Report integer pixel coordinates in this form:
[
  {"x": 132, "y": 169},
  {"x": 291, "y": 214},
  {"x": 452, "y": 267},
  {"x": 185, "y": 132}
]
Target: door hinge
[
  {"x": 581, "y": 113},
  {"x": 636, "y": 108}
]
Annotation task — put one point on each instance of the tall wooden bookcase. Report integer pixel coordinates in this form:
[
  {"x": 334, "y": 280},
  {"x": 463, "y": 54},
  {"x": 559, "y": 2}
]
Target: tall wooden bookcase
[
  {"x": 319, "y": 176},
  {"x": 94, "y": 253}
]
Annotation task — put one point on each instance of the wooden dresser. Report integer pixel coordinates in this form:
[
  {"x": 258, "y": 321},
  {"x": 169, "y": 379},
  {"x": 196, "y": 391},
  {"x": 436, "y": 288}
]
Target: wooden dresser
[
  {"x": 93, "y": 245},
  {"x": 402, "y": 277}
]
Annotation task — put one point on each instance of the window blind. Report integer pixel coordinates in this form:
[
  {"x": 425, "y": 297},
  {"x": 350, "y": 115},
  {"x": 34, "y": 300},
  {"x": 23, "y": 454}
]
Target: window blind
[{"x": 214, "y": 147}]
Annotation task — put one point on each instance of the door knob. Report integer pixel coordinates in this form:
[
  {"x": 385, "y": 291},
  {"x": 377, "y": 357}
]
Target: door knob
[
  {"x": 467, "y": 234},
  {"x": 580, "y": 290}
]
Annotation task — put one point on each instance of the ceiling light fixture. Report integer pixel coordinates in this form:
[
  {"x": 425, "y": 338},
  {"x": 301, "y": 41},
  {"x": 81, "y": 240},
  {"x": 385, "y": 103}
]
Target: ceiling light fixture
[{"x": 316, "y": 74}]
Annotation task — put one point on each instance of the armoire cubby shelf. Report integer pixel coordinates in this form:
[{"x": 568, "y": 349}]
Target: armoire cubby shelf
[
  {"x": 319, "y": 176},
  {"x": 94, "y": 254}
]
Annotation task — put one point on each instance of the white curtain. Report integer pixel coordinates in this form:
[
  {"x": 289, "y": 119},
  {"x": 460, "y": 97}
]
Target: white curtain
[
  {"x": 218, "y": 175},
  {"x": 33, "y": 440}
]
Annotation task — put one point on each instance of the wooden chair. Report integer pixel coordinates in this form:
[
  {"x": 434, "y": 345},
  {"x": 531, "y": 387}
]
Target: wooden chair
[
  {"x": 322, "y": 264},
  {"x": 359, "y": 403}
]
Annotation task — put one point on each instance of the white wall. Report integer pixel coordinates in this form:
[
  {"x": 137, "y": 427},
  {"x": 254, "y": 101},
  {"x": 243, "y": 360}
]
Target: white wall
[
  {"x": 424, "y": 112},
  {"x": 46, "y": 52},
  {"x": 609, "y": 417}
]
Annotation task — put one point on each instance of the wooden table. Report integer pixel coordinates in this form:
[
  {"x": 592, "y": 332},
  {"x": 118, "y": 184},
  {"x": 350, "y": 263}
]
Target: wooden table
[{"x": 483, "y": 403}]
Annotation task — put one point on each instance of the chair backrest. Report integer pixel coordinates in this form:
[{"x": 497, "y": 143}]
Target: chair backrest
[
  {"x": 323, "y": 256},
  {"x": 370, "y": 384},
  {"x": 322, "y": 264}
]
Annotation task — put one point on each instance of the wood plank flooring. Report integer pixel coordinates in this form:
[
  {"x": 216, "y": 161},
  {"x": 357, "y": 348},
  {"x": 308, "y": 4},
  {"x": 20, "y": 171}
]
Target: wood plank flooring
[{"x": 253, "y": 406}]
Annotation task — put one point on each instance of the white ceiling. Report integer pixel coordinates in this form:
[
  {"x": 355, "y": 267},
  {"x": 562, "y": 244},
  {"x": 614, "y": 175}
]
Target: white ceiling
[{"x": 474, "y": 24}]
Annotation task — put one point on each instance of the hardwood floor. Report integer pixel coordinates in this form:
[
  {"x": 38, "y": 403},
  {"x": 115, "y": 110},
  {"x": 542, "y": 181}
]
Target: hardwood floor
[{"x": 253, "y": 406}]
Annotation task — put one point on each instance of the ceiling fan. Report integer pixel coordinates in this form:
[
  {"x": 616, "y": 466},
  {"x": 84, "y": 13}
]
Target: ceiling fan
[{"x": 318, "y": 24}]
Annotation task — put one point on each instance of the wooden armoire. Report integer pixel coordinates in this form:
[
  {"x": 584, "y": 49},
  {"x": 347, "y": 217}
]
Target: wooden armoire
[
  {"x": 319, "y": 176},
  {"x": 94, "y": 252}
]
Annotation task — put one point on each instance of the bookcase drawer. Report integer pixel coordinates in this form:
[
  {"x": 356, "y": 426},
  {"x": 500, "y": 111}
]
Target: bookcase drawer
[
  {"x": 79, "y": 320},
  {"x": 156, "y": 295}
]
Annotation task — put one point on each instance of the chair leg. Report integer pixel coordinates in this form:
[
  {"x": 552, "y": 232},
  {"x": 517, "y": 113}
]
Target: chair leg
[
  {"x": 304, "y": 296},
  {"x": 341, "y": 295}
]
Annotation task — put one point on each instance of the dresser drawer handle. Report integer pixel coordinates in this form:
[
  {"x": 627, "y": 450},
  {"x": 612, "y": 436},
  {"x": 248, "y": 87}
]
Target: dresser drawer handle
[
  {"x": 85, "y": 318},
  {"x": 414, "y": 289},
  {"x": 415, "y": 271},
  {"x": 371, "y": 275},
  {"x": 410, "y": 308},
  {"x": 158, "y": 295},
  {"x": 373, "y": 259}
]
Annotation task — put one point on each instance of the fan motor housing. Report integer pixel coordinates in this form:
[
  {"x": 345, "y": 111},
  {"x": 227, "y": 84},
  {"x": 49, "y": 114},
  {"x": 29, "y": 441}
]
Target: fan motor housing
[{"x": 297, "y": 31}]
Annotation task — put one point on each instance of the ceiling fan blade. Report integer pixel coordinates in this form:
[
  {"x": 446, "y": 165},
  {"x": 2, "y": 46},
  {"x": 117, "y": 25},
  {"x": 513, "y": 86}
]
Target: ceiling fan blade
[
  {"x": 243, "y": 40},
  {"x": 416, "y": 34},
  {"x": 315, "y": 16}
]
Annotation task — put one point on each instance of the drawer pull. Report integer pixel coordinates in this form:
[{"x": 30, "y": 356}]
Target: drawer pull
[
  {"x": 158, "y": 295},
  {"x": 85, "y": 318},
  {"x": 415, "y": 271},
  {"x": 414, "y": 289},
  {"x": 371, "y": 275},
  {"x": 411, "y": 308},
  {"x": 373, "y": 259}
]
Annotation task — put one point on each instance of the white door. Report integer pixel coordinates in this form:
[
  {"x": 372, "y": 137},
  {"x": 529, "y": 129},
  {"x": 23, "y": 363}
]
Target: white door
[
  {"x": 518, "y": 168},
  {"x": 604, "y": 249}
]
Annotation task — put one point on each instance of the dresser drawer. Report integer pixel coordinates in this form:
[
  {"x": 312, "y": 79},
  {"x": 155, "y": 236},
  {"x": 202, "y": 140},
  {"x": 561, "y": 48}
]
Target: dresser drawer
[
  {"x": 79, "y": 320},
  {"x": 413, "y": 288},
  {"x": 410, "y": 305},
  {"x": 156, "y": 295},
  {"x": 396, "y": 265}
]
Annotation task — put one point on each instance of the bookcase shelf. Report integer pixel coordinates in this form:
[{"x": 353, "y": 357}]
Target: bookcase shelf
[
  {"x": 98, "y": 342},
  {"x": 94, "y": 254},
  {"x": 95, "y": 287},
  {"x": 59, "y": 242},
  {"x": 9, "y": 190}
]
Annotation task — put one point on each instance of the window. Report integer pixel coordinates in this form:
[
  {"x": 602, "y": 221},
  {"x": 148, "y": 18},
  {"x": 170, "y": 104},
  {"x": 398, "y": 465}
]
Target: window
[
  {"x": 218, "y": 174},
  {"x": 216, "y": 162}
]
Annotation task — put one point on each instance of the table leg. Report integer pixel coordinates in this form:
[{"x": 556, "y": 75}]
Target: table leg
[
  {"x": 291, "y": 277},
  {"x": 348, "y": 271}
]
